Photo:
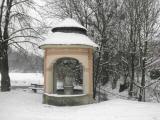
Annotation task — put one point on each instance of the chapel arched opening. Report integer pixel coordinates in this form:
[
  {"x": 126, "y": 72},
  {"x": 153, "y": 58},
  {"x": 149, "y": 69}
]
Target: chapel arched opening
[{"x": 68, "y": 76}]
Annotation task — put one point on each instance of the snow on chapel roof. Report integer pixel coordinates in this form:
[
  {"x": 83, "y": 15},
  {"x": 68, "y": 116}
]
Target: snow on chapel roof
[{"x": 67, "y": 37}]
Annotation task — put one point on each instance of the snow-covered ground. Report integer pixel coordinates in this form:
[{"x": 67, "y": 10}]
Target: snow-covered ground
[
  {"x": 25, "y": 79},
  {"x": 20, "y": 104}
]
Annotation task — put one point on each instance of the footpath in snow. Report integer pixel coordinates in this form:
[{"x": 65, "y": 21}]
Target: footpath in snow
[{"x": 25, "y": 105}]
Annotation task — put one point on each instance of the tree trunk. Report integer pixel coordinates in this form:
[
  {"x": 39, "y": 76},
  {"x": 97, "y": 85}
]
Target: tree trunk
[
  {"x": 97, "y": 71},
  {"x": 142, "y": 90},
  {"x": 143, "y": 82},
  {"x": 5, "y": 79},
  {"x": 132, "y": 75},
  {"x": 132, "y": 41}
]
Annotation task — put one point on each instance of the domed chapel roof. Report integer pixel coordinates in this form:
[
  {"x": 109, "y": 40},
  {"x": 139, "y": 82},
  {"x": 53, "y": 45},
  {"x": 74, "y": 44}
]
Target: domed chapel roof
[
  {"x": 68, "y": 22},
  {"x": 68, "y": 32}
]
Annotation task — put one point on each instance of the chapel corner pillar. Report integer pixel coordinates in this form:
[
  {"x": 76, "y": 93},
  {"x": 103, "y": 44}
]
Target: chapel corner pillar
[{"x": 90, "y": 66}]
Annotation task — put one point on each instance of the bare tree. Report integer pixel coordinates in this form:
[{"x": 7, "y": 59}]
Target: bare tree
[
  {"x": 16, "y": 29},
  {"x": 142, "y": 26},
  {"x": 122, "y": 29},
  {"x": 150, "y": 13}
]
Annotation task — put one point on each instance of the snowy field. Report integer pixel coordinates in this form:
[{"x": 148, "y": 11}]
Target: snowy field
[
  {"x": 20, "y": 104},
  {"x": 23, "y": 104},
  {"x": 25, "y": 79}
]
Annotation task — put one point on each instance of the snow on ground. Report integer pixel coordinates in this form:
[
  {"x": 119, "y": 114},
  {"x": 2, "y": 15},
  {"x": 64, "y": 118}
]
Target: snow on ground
[
  {"x": 22, "y": 104},
  {"x": 25, "y": 79}
]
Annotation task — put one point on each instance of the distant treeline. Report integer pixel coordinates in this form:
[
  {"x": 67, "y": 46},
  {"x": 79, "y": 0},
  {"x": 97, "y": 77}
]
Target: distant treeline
[{"x": 24, "y": 62}]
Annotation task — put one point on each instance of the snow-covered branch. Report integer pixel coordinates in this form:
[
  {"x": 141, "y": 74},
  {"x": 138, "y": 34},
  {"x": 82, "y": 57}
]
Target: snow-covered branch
[{"x": 19, "y": 30}]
